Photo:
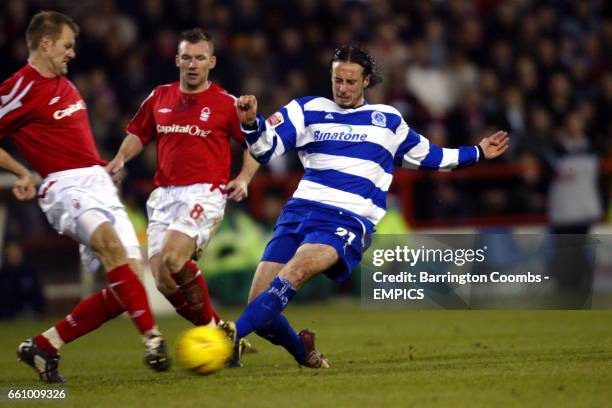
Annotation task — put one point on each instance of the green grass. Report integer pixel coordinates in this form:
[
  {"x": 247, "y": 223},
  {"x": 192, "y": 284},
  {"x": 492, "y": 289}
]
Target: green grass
[{"x": 379, "y": 358}]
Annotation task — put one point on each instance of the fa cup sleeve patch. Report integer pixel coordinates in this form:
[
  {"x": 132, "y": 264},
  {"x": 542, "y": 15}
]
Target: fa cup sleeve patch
[{"x": 275, "y": 119}]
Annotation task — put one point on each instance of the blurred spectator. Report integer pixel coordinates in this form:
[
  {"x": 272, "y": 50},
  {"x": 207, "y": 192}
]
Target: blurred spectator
[
  {"x": 574, "y": 206},
  {"x": 20, "y": 287},
  {"x": 529, "y": 190},
  {"x": 574, "y": 200},
  {"x": 514, "y": 115},
  {"x": 431, "y": 85},
  {"x": 257, "y": 59}
]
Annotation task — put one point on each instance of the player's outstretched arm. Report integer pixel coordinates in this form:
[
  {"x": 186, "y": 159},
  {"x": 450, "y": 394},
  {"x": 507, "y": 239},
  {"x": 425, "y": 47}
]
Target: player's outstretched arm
[
  {"x": 25, "y": 187},
  {"x": 272, "y": 137},
  {"x": 130, "y": 147},
  {"x": 238, "y": 187},
  {"x": 416, "y": 152},
  {"x": 494, "y": 145}
]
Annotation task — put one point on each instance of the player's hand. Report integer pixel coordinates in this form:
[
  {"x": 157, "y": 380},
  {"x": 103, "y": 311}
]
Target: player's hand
[
  {"x": 114, "y": 168},
  {"x": 494, "y": 145},
  {"x": 25, "y": 187},
  {"x": 238, "y": 189},
  {"x": 246, "y": 106}
]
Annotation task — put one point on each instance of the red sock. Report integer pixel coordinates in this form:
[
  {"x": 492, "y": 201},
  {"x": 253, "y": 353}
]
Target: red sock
[
  {"x": 182, "y": 307},
  {"x": 195, "y": 290},
  {"x": 44, "y": 344},
  {"x": 131, "y": 293},
  {"x": 87, "y": 316}
]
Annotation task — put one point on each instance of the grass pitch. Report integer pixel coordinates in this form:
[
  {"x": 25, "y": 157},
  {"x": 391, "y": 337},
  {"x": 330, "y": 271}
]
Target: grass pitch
[{"x": 379, "y": 358}]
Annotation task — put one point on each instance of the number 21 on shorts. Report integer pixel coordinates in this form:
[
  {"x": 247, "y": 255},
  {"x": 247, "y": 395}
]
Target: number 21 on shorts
[{"x": 346, "y": 234}]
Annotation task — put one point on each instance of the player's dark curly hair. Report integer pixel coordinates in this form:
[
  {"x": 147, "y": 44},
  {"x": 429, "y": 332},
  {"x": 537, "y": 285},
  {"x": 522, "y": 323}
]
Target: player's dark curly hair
[
  {"x": 359, "y": 55},
  {"x": 195, "y": 35}
]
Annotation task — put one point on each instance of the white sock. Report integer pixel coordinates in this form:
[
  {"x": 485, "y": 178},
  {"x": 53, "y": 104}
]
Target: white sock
[{"x": 53, "y": 337}]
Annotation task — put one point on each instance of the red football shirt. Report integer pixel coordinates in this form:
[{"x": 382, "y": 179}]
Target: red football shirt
[
  {"x": 47, "y": 118},
  {"x": 192, "y": 132}
]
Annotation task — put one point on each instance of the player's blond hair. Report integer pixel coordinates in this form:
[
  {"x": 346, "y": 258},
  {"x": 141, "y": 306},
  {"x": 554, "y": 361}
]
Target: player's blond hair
[{"x": 48, "y": 23}]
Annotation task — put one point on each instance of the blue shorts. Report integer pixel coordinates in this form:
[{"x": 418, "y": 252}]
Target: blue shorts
[{"x": 312, "y": 224}]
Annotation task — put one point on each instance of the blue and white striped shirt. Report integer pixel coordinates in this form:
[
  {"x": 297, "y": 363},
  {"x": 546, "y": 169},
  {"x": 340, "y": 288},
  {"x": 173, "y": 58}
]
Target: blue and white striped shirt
[{"x": 349, "y": 154}]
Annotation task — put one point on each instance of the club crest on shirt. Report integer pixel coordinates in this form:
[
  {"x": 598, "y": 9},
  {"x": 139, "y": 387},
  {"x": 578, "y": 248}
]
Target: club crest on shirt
[
  {"x": 205, "y": 114},
  {"x": 275, "y": 119},
  {"x": 379, "y": 119}
]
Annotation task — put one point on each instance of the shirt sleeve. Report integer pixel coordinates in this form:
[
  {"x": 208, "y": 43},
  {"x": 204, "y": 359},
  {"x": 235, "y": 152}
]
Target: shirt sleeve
[
  {"x": 416, "y": 152},
  {"x": 142, "y": 124},
  {"x": 276, "y": 135},
  {"x": 14, "y": 106}
]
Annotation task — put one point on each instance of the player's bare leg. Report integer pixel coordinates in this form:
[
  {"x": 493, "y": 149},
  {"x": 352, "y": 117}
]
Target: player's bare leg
[
  {"x": 309, "y": 261},
  {"x": 124, "y": 282},
  {"x": 122, "y": 278},
  {"x": 177, "y": 249},
  {"x": 264, "y": 313},
  {"x": 41, "y": 352},
  {"x": 179, "y": 279},
  {"x": 163, "y": 280},
  {"x": 168, "y": 287},
  {"x": 137, "y": 267},
  {"x": 265, "y": 273}
]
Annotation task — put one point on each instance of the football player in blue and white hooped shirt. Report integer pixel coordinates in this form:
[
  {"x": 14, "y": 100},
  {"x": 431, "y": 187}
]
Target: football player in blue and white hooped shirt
[{"x": 349, "y": 149}]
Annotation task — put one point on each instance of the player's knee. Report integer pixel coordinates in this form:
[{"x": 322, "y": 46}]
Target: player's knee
[
  {"x": 136, "y": 265},
  {"x": 173, "y": 260},
  {"x": 297, "y": 278},
  {"x": 111, "y": 251},
  {"x": 298, "y": 272},
  {"x": 165, "y": 284},
  {"x": 111, "y": 246},
  {"x": 297, "y": 275}
]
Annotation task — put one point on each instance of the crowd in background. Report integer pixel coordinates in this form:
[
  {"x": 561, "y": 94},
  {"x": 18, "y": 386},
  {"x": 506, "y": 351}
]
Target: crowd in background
[{"x": 455, "y": 69}]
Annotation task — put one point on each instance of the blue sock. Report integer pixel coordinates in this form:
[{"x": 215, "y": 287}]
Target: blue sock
[
  {"x": 278, "y": 331},
  {"x": 265, "y": 307}
]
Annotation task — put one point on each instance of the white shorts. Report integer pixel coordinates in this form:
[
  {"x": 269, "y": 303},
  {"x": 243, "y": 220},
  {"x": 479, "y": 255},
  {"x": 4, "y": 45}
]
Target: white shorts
[
  {"x": 195, "y": 210},
  {"x": 77, "y": 201}
]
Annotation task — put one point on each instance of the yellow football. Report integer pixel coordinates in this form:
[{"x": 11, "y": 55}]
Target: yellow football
[{"x": 203, "y": 350}]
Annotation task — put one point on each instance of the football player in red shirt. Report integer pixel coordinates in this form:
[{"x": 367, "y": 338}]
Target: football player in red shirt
[
  {"x": 47, "y": 118},
  {"x": 192, "y": 121}
]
